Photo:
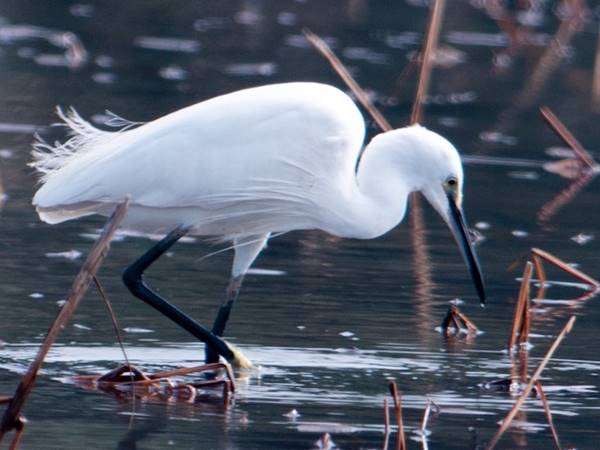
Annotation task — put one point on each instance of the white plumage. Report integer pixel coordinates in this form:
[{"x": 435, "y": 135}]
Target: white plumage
[{"x": 246, "y": 164}]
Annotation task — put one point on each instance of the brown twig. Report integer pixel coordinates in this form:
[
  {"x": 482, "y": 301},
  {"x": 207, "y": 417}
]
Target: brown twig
[
  {"x": 527, "y": 390},
  {"x": 429, "y": 48},
  {"x": 113, "y": 317},
  {"x": 542, "y": 395},
  {"x": 401, "y": 441},
  {"x": 594, "y": 284},
  {"x": 80, "y": 285},
  {"x": 521, "y": 322},
  {"x": 541, "y": 275},
  {"x": 344, "y": 74},
  {"x": 563, "y": 132}
]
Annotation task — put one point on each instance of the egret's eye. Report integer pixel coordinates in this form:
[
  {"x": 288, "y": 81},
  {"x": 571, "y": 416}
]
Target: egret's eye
[{"x": 452, "y": 183}]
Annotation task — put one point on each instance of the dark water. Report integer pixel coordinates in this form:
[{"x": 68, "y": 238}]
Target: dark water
[{"x": 338, "y": 317}]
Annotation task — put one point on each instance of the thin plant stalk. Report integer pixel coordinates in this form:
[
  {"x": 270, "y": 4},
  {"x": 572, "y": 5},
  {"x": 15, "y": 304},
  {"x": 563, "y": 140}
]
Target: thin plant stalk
[
  {"x": 521, "y": 316},
  {"x": 344, "y": 74},
  {"x": 563, "y": 132},
  {"x": 401, "y": 441},
  {"x": 527, "y": 390},
  {"x": 542, "y": 395}
]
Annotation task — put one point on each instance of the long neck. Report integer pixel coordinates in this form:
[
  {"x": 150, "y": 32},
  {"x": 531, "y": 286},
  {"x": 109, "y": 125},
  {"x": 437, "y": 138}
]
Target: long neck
[{"x": 381, "y": 192}]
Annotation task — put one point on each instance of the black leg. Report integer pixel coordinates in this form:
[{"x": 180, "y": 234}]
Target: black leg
[
  {"x": 132, "y": 276},
  {"x": 233, "y": 288}
]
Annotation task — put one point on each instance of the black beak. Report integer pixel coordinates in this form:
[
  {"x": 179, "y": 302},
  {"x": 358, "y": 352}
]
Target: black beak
[{"x": 461, "y": 234}]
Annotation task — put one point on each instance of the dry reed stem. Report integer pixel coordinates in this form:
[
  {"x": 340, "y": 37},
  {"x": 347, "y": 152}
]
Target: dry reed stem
[
  {"x": 563, "y": 132},
  {"x": 19, "y": 429},
  {"x": 517, "y": 406},
  {"x": 429, "y": 48},
  {"x": 344, "y": 74},
  {"x": 594, "y": 284},
  {"x": 401, "y": 441},
  {"x": 520, "y": 327},
  {"x": 386, "y": 424},
  {"x": 80, "y": 285},
  {"x": 541, "y": 275},
  {"x": 542, "y": 395},
  {"x": 5, "y": 399}
]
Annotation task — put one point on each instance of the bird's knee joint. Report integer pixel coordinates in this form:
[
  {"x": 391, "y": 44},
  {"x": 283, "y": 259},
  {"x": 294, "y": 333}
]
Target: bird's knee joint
[{"x": 132, "y": 279}]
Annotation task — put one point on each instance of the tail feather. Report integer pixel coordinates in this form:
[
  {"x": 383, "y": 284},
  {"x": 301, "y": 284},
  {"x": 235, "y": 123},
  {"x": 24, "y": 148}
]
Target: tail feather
[{"x": 83, "y": 137}]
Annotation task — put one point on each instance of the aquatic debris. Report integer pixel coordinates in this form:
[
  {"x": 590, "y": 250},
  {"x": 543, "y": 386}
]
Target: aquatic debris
[
  {"x": 12, "y": 419},
  {"x": 128, "y": 381},
  {"x": 455, "y": 322},
  {"x": 527, "y": 390},
  {"x": 521, "y": 325}
]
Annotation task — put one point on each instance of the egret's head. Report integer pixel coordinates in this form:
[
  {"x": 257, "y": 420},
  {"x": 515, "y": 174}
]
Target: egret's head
[
  {"x": 416, "y": 159},
  {"x": 441, "y": 183}
]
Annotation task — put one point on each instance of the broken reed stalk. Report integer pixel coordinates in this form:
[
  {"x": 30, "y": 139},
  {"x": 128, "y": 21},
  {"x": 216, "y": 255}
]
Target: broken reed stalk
[
  {"x": 401, "y": 441},
  {"x": 19, "y": 429},
  {"x": 542, "y": 395},
  {"x": 344, "y": 74},
  {"x": 10, "y": 420},
  {"x": 455, "y": 318},
  {"x": 562, "y": 131},
  {"x": 386, "y": 424},
  {"x": 521, "y": 322},
  {"x": 527, "y": 390},
  {"x": 594, "y": 284},
  {"x": 427, "y": 53}
]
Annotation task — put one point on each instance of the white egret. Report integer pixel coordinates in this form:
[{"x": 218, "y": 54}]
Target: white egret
[{"x": 241, "y": 166}]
